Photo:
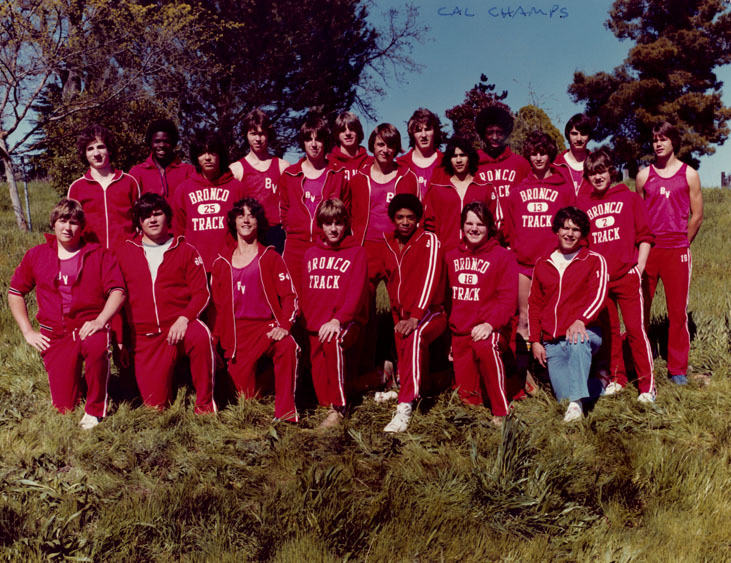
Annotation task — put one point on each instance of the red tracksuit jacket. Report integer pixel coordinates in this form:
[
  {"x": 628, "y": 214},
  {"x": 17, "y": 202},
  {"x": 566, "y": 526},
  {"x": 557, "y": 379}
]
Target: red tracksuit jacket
[
  {"x": 180, "y": 289},
  {"x": 335, "y": 284},
  {"x": 484, "y": 287},
  {"x": 619, "y": 224},
  {"x": 108, "y": 212},
  {"x": 360, "y": 188},
  {"x": 422, "y": 181},
  {"x": 350, "y": 164},
  {"x": 99, "y": 274},
  {"x": 443, "y": 207},
  {"x": 557, "y": 300},
  {"x": 567, "y": 172},
  {"x": 200, "y": 209},
  {"x": 503, "y": 172},
  {"x": 152, "y": 180},
  {"x": 414, "y": 275},
  {"x": 529, "y": 212},
  {"x": 296, "y": 219},
  {"x": 278, "y": 289}
]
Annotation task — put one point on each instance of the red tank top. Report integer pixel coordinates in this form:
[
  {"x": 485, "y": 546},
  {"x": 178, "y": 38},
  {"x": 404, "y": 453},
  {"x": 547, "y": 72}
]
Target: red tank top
[
  {"x": 313, "y": 192},
  {"x": 378, "y": 221},
  {"x": 262, "y": 186},
  {"x": 668, "y": 207},
  {"x": 67, "y": 274},
  {"x": 250, "y": 302}
]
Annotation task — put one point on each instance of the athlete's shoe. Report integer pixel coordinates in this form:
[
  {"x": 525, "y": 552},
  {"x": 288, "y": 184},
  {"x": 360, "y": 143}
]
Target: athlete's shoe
[
  {"x": 400, "y": 421},
  {"x": 574, "y": 411},
  {"x": 333, "y": 419},
  {"x": 679, "y": 379},
  {"x": 88, "y": 421},
  {"x": 613, "y": 388},
  {"x": 385, "y": 396},
  {"x": 646, "y": 398}
]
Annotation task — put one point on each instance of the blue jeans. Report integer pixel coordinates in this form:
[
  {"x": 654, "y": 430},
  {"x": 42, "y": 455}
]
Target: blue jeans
[{"x": 569, "y": 365}]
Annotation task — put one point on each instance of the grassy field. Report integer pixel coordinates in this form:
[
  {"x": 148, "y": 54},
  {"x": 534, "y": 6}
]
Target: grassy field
[{"x": 628, "y": 483}]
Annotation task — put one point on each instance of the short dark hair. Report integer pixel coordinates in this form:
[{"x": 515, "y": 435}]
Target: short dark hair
[
  {"x": 316, "y": 125},
  {"x": 206, "y": 141},
  {"x": 390, "y": 136},
  {"x": 257, "y": 118},
  {"x": 89, "y": 135},
  {"x": 480, "y": 209},
  {"x": 162, "y": 126},
  {"x": 146, "y": 205},
  {"x": 539, "y": 142},
  {"x": 423, "y": 116},
  {"x": 350, "y": 120},
  {"x": 667, "y": 129},
  {"x": 576, "y": 216},
  {"x": 583, "y": 124},
  {"x": 67, "y": 209},
  {"x": 405, "y": 201},
  {"x": 465, "y": 145},
  {"x": 494, "y": 115},
  {"x": 599, "y": 161},
  {"x": 256, "y": 209},
  {"x": 332, "y": 210}
]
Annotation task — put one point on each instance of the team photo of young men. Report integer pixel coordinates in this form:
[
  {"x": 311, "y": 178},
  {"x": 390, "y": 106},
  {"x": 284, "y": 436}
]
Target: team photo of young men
[{"x": 516, "y": 272}]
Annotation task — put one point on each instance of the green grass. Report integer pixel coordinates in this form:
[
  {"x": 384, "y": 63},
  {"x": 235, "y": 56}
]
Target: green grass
[{"x": 629, "y": 483}]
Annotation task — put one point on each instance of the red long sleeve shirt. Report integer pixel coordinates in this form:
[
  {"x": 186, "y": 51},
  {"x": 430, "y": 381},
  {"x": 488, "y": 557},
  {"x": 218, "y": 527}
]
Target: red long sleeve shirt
[{"x": 503, "y": 172}]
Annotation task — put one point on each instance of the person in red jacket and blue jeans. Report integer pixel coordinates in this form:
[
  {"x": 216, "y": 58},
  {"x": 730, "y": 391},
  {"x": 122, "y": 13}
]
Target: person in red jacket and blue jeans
[
  {"x": 483, "y": 280},
  {"x": 334, "y": 303},
  {"x": 79, "y": 288},
  {"x": 567, "y": 294},
  {"x": 168, "y": 292},
  {"x": 255, "y": 306}
]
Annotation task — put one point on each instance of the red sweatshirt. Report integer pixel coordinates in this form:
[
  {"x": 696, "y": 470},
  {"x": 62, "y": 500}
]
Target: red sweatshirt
[
  {"x": 557, "y": 300},
  {"x": 162, "y": 182},
  {"x": 360, "y": 187},
  {"x": 297, "y": 220},
  {"x": 443, "y": 207},
  {"x": 484, "y": 286},
  {"x": 414, "y": 274},
  {"x": 619, "y": 224},
  {"x": 278, "y": 290},
  {"x": 180, "y": 289},
  {"x": 335, "y": 285},
  {"x": 582, "y": 186},
  {"x": 98, "y": 275},
  {"x": 200, "y": 209},
  {"x": 350, "y": 164},
  {"x": 108, "y": 212},
  {"x": 503, "y": 172},
  {"x": 529, "y": 212}
]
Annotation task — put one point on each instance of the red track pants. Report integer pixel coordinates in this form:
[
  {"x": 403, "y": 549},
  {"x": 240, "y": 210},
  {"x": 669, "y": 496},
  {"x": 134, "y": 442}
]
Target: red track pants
[{"x": 329, "y": 366}]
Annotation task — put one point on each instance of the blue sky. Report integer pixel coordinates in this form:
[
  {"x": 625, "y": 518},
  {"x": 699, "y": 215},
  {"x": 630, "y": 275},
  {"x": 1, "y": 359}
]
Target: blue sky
[{"x": 531, "y": 55}]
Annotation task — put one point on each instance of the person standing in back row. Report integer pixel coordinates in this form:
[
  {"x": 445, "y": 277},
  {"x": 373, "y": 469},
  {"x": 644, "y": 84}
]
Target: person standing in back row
[{"x": 672, "y": 193}]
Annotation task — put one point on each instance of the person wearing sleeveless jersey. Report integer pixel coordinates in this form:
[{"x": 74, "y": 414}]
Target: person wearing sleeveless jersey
[
  {"x": 163, "y": 171},
  {"x": 672, "y": 193},
  {"x": 621, "y": 233},
  {"x": 259, "y": 173},
  {"x": 255, "y": 306},
  {"x": 452, "y": 187},
  {"x": 347, "y": 138},
  {"x": 570, "y": 163},
  {"x": 483, "y": 281},
  {"x": 425, "y": 138},
  {"x": 106, "y": 194}
]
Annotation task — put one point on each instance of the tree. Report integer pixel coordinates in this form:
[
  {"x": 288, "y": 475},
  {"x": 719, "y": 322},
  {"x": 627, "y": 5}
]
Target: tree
[
  {"x": 530, "y": 118},
  {"x": 668, "y": 74},
  {"x": 463, "y": 116},
  {"x": 79, "y": 55},
  {"x": 288, "y": 57}
]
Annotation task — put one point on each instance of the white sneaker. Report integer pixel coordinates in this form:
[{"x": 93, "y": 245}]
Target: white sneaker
[
  {"x": 574, "y": 411},
  {"x": 400, "y": 421},
  {"x": 613, "y": 388},
  {"x": 88, "y": 421},
  {"x": 646, "y": 398}
]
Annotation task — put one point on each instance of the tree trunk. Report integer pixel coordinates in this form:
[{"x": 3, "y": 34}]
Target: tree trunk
[{"x": 13, "y": 187}]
